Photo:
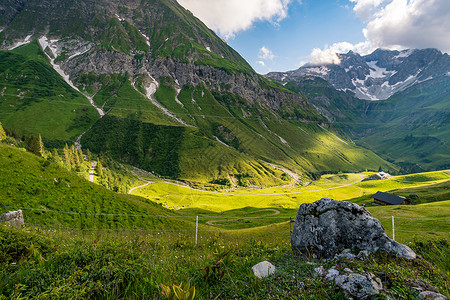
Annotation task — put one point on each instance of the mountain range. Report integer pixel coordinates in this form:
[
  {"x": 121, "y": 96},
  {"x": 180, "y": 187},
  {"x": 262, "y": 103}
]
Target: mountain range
[
  {"x": 376, "y": 76},
  {"x": 151, "y": 85}
]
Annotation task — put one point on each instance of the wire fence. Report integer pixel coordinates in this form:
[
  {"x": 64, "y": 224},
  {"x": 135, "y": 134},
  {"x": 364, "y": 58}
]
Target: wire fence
[{"x": 213, "y": 223}]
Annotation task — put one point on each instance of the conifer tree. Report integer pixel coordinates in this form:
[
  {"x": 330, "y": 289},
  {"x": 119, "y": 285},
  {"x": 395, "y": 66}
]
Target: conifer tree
[
  {"x": 67, "y": 158},
  {"x": 99, "y": 169},
  {"x": 41, "y": 147},
  {"x": 80, "y": 156},
  {"x": 89, "y": 155},
  {"x": 2, "y": 132}
]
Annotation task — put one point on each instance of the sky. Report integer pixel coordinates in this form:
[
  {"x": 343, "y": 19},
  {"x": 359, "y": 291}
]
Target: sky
[{"x": 281, "y": 35}]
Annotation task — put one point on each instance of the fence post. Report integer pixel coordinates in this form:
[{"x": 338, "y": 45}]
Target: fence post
[
  {"x": 196, "y": 231},
  {"x": 393, "y": 228}
]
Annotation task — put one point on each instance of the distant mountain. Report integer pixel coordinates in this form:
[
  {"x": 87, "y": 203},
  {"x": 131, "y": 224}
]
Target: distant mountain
[
  {"x": 411, "y": 128},
  {"x": 376, "y": 76},
  {"x": 147, "y": 82}
]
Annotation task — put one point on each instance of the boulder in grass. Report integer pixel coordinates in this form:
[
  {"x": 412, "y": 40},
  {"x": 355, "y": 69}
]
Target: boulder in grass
[
  {"x": 13, "y": 218},
  {"x": 327, "y": 227}
]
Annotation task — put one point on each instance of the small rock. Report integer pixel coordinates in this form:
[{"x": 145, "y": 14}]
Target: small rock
[
  {"x": 263, "y": 269},
  {"x": 360, "y": 286},
  {"x": 348, "y": 270},
  {"x": 13, "y": 218},
  {"x": 362, "y": 254},
  {"x": 332, "y": 274},
  {"x": 431, "y": 296},
  {"x": 421, "y": 285},
  {"x": 319, "y": 272}
]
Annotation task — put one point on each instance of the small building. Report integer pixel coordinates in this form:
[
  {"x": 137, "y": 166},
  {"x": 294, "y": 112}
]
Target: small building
[
  {"x": 381, "y": 198},
  {"x": 379, "y": 176}
]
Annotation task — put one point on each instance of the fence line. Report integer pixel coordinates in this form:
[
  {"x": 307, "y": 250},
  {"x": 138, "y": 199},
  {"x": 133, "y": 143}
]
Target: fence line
[
  {"x": 221, "y": 217},
  {"x": 131, "y": 215}
]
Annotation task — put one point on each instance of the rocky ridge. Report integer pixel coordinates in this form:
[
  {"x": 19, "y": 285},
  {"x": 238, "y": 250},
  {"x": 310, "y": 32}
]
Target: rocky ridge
[{"x": 376, "y": 76}]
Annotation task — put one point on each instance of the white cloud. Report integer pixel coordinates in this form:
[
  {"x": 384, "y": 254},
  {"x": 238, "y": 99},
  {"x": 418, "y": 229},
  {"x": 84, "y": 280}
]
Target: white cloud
[
  {"x": 403, "y": 24},
  {"x": 227, "y": 17},
  {"x": 329, "y": 55},
  {"x": 265, "y": 53},
  {"x": 260, "y": 62},
  {"x": 395, "y": 24}
]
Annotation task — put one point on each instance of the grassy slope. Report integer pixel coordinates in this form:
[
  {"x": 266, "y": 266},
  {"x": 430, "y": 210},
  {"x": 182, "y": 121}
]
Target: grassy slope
[
  {"x": 36, "y": 100},
  {"x": 29, "y": 181}
]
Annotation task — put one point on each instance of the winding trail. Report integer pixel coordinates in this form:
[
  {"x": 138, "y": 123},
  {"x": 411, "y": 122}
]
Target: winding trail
[
  {"x": 274, "y": 213},
  {"x": 141, "y": 186}
]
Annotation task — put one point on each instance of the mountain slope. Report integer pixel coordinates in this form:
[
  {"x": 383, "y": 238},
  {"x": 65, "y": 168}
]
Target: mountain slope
[
  {"x": 172, "y": 97},
  {"x": 411, "y": 128}
]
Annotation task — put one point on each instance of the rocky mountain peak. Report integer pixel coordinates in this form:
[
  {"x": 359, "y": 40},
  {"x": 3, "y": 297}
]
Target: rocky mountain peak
[{"x": 379, "y": 75}]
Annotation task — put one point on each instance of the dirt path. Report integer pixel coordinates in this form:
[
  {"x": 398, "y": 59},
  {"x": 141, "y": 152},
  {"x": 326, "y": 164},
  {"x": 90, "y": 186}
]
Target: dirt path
[
  {"x": 141, "y": 186},
  {"x": 274, "y": 213}
]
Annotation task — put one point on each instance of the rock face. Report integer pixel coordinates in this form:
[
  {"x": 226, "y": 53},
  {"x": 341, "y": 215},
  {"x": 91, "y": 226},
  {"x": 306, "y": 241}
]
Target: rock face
[
  {"x": 360, "y": 286},
  {"x": 326, "y": 227},
  {"x": 13, "y": 218},
  {"x": 263, "y": 269}
]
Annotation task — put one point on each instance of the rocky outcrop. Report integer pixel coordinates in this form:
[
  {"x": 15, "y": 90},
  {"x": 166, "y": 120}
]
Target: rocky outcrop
[
  {"x": 327, "y": 227},
  {"x": 12, "y": 218}
]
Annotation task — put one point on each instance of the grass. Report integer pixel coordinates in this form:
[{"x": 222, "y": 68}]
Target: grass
[
  {"x": 122, "y": 254},
  {"x": 133, "y": 264}
]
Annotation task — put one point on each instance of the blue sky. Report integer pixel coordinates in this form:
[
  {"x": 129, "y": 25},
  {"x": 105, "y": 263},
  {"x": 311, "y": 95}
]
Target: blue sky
[
  {"x": 312, "y": 24},
  {"x": 280, "y": 35}
]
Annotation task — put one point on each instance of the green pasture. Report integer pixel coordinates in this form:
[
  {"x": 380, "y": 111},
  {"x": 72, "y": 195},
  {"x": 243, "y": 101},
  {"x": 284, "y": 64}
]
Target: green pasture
[{"x": 338, "y": 187}]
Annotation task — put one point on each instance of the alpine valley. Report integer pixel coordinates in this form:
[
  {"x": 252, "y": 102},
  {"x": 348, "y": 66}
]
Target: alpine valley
[
  {"x": 396, "y": 103},
  {"x": 150, "y": 85}
]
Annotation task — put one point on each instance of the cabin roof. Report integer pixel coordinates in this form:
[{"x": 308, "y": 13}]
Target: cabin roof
[{"x": 389, "y": 198}]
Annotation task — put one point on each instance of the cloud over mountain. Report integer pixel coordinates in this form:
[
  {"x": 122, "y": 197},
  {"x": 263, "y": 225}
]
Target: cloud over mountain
[
  {"x": 395, "y": 25},
  {"x": 228, "y": 17}
]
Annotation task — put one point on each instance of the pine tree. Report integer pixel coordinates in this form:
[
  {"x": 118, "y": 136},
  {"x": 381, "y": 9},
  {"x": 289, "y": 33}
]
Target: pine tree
[
  {"x": 41, "y": 147},
  {"x": 99, "y": 169},
  {"x": 80, "y": 155},
  {"x": 74, "y": 156},
  {"x": 2, "y": 132},
  {"x": 67, "y": 158},
  {"x": 89, "y": 155}
]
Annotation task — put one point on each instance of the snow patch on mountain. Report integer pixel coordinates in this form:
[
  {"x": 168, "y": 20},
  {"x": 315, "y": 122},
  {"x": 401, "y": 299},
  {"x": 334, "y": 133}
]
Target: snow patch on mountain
[
  {"x": 50, "y": 44},
  {"x": 27, "y": 40},
  {"x": 376, "y": 71}
]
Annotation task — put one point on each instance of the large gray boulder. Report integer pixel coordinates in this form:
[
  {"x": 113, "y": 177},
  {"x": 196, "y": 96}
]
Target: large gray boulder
[
  {"x": 12, "y": 218},
  {"x": 326, "y": 227}
]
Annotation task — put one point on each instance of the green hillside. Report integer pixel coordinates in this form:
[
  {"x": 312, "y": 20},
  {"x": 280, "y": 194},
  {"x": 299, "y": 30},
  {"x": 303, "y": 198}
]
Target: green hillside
[
  {"x": 32, "y": 182},
  {"x": 34, "y": 99}
]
